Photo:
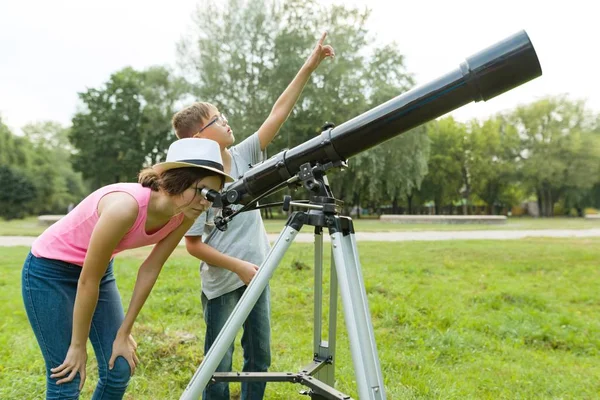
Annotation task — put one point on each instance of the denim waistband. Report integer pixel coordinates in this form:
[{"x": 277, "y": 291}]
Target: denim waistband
[{"x": 58, "y": 266}]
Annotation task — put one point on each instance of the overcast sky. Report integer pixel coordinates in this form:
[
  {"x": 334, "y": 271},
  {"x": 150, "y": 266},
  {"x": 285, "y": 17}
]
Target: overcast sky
[{"x": 50, "y": 50}]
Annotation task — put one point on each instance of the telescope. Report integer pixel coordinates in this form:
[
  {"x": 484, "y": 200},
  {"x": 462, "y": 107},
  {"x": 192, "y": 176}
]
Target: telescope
[
  {"x": 482, "y": 76},
  {"x": 486, "y": 74}
]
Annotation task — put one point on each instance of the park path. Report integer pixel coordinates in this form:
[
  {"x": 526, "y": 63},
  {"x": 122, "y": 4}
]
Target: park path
[{"x": 402, "y": 236}]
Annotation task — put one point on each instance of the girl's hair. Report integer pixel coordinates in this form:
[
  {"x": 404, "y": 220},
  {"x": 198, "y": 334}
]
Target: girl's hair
[
  {"x": 174, "y": 181},
  {"x": 187, "y": 121}
]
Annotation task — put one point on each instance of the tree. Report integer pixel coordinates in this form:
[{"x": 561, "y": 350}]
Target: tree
[
  {"x": 402, "y": 168},
  {"x": 49, "y": 135},
  {"x": 446, "y": 164},
  {"x": 6, "y": 144},
  {"x": 391, "y": 171},
  {"x": 228, "y": 59},
  {"x": 14, "y": 150},
  {"x": 17, "y": 194},
  {"x": 559, "y": 152},
  {"x": 495, "y": 152},
  {"x": 161, "y": 93},
  {"x": 582, "y": 173},
  {"x": 125, "y": 124},
  {"x": 241, "y": 56},
  {"x": 57, "y": 185},
  {"x": 40, "y": 157}
]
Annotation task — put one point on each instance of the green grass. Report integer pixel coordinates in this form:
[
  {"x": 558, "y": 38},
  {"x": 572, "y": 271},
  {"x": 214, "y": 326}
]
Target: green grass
[
  {"x": 30, "y": 227},
  {"x": 453, "y": 320},
  {"x": 516, "y": 223},
  {"x": 21, "y": 227}
]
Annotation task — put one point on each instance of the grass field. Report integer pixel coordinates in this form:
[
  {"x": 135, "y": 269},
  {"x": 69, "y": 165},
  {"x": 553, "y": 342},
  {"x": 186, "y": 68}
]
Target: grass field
[
  {"x": 30, "y": 227},
  {"x": 375, "y": 225},
  {"x": 453, "y": 320}
]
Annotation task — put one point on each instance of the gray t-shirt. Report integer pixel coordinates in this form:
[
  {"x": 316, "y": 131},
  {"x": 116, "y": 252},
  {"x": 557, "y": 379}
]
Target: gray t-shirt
[{"x": 245, "y": 237}]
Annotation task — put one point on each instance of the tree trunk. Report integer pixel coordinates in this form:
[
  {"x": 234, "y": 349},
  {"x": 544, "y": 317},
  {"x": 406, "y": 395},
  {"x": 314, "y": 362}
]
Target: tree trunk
[
  {"x": 550, "y": 204},
  {"x": 357, "y": 204},
  {"x": 409, "y": 201},
  {"x": 467, "y": 192},
  {"x": 545, "y": 202}
]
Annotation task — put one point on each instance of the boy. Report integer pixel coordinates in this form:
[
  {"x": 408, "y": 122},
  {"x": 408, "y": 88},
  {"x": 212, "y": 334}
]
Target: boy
[{"x": 230, "y": 259}]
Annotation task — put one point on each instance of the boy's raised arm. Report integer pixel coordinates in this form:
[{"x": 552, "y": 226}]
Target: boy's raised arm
[{"x": 286, "y": 101}]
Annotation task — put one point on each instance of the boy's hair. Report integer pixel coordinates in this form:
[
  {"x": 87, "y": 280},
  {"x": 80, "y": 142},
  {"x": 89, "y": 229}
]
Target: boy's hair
[
  {"x": 174, "y": 181},
  {"x": 187, "y": 121}
]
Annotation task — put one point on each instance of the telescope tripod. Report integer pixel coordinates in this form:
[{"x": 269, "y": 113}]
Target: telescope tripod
[{"x": 346, "y": 275}]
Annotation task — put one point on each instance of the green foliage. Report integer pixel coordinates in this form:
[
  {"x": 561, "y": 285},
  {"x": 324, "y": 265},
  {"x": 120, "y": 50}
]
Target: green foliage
[
  {"x": 42, "y": 158},
  {"x": 50, "y": 168},
  {"x": 7, "y": 145},
  {"x": 549, "y": 148},
  {"x": 495, "y": 146},
  {"x": 49, "y": 135},
  {"x": 242, "y": 55},
  {"x": 559, "y": 151},
  {"x": 18, "y": 192},
  {"x": 125, "y": 124},
  {"x": 446, "y": 161},
  {"x": 14, "y": 150}
]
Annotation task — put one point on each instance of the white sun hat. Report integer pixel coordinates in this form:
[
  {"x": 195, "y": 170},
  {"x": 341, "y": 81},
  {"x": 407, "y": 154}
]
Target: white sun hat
[{"x": 194, "y": 152}]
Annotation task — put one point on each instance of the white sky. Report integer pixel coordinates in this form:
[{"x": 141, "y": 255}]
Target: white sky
[{"x": 50, "y": 50}]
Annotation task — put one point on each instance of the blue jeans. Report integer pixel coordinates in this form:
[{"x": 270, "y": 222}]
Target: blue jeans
[
  {"x": 256, "y": 341},
  {"x": 49, "y": 288}
]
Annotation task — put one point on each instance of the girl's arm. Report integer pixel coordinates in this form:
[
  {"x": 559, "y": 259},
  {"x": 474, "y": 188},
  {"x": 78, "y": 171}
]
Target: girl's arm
[{"x": 147, "y": 275}]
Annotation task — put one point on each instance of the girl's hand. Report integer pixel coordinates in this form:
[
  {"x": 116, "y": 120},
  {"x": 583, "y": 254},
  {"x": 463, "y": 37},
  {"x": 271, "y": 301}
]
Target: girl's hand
[
  {"x": 319, "y": 53},
  {"x": 75, "y": 362},
  {"x": 124, "y": 346}
]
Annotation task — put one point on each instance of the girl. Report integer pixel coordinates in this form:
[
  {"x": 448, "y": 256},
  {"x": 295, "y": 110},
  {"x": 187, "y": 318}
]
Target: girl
[{"x": 68, "y": 285}]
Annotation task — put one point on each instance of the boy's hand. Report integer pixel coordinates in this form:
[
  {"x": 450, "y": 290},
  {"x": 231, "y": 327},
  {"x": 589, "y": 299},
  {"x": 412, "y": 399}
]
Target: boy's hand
[
  {"x": 246, "y": 271},
  {"x": 319, "y": 53}
]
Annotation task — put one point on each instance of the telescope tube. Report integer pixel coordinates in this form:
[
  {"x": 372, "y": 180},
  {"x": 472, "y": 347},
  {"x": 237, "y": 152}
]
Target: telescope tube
[{"x": 482, "y": 76}]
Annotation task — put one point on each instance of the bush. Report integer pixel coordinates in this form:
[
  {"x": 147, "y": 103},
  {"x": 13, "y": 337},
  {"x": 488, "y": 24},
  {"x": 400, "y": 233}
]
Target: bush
[{"x": 17, "y": 194}]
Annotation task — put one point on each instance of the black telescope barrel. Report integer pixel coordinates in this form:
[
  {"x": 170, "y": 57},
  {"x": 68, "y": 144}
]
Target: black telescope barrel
[{"x": 482, "y": 76}]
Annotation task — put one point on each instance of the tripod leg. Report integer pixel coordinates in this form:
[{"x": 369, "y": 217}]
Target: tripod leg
[
  {"x": 356, "y": 312},
  {"x": 239, "y": 314},
  {"x": 324, "y": 349}
]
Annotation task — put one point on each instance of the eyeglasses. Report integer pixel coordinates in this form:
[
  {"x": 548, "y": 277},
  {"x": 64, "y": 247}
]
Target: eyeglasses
[{"x": 221, "y": 119}]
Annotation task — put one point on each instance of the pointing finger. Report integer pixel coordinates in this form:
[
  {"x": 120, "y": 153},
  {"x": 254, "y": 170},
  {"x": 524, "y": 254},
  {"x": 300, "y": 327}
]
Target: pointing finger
[{"x": 323, "y": 38}]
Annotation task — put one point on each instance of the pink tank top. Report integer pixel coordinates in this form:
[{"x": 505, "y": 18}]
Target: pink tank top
[{"x": 68, "y": 239}]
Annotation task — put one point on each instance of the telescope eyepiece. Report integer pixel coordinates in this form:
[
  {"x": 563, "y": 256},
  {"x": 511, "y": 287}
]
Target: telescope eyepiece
[{"x": 209, "y": 194}]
